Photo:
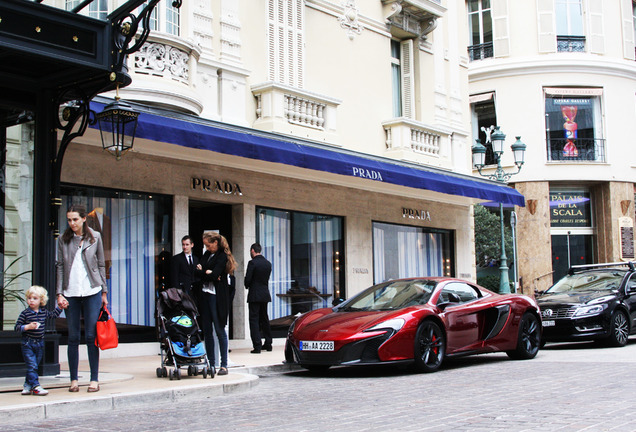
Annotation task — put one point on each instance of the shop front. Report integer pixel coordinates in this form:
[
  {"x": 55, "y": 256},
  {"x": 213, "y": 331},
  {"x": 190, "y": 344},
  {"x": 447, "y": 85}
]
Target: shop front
[{"x": 327, "y": 235}]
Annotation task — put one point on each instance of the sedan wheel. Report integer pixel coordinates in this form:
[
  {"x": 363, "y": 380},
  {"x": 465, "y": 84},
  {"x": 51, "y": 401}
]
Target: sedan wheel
[
  {"x": 619, "y": 330},
  {"x": 430, "y": 347},
  {"x": 529, "y": 339}
]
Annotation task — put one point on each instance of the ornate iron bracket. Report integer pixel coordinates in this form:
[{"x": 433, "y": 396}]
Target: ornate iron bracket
[
  {"x": 74, "y": 117},
  {"x": 125, "y": 27}
]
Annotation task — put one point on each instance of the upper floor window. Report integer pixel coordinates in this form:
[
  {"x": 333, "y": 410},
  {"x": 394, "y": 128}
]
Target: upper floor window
[
  {"x": 573, "y": 124},
  {"x": 164, "y": 18},
  {"x": 396, "y": 74},
  {"x": 402, "y": 77},
  {"x": 484, "y": 120},
  {"x": 96, "y": 9},
  {"x": 285, "y": 41},
  {"x": 480, "y": 28},
  {"x": 569, "y": 26}
]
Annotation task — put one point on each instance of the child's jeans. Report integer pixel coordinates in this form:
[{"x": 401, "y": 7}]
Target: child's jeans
[{"x": 32, "y": 352}]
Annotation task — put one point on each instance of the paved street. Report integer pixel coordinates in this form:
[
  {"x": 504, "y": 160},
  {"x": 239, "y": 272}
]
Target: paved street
[{"x": 576, "y": 387}]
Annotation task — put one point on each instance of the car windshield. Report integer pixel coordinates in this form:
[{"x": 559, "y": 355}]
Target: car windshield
[
  {"x": 392, "y": 295},
  {"x": 589, "y": 281}
]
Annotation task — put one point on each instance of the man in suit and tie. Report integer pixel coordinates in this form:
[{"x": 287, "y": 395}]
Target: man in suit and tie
[
  {"x": 257, "y": 284},
  {"x": 182, "y": 267}
]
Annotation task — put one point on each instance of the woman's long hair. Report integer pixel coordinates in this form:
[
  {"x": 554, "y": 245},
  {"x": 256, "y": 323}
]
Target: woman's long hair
[
  {"x": 86, "y": 232},
  {"x": 213, "y": 236},
  {"x": 231, "y": 262}
]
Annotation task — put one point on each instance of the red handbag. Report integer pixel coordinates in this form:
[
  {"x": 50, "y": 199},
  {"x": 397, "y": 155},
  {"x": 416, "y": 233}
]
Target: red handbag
[{"x": 107, "y": 336}]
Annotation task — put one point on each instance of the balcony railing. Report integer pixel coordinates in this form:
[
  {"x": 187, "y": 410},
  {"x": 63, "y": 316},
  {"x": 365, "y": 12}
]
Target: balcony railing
[
  {"x": 481, "y": 51},
  {"x": 571, "y": 43},
  {"x": 585, "y": 150}
]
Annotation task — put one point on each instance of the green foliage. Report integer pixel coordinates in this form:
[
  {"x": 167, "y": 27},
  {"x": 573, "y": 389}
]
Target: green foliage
[
  {"x": 8, "y": 292},
  {"x": 488, "y": 238},
  {"x": 490, "y": 282}
]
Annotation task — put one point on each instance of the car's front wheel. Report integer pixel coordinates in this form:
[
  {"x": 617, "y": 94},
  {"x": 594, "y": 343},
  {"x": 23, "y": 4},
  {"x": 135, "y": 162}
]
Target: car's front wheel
[
  {"x": 529, "y": 339},
  {"x": 619, "y": 330},
  {"x": 430, "y": 347}
]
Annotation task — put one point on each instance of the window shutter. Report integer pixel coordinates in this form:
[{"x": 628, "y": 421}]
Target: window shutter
[
  {"x": 627, "y": 22},
  {"x": 501, "y": 36},
  {"x": 597, "y": 40},
  {"x": 408, "y": 85},
  {"x": 546, "y": 26},
  {"x": 285, "y": 40}
]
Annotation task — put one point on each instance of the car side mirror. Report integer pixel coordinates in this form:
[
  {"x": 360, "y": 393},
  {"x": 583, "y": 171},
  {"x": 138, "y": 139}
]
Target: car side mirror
[{"x": 337, "y": 301}]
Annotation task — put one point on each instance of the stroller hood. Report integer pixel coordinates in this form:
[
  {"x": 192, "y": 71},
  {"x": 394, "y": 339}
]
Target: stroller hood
[{"x": 174, "y": 300}]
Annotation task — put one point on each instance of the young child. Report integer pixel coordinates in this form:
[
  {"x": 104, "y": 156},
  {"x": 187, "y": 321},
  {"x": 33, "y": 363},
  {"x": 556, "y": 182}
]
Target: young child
[{"x": 31, "y": 324}]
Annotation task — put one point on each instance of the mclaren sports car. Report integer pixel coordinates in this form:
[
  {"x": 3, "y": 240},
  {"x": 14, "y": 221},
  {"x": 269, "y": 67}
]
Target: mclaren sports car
[{"x": 419, "y": 320}]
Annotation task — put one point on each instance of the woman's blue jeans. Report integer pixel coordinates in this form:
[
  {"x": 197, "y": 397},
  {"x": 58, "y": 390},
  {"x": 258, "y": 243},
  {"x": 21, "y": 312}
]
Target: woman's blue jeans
[
  {"x": 88, "y": 307},
  {"x": 211, "y": 323},
  {"x": 32, "y": 352}
]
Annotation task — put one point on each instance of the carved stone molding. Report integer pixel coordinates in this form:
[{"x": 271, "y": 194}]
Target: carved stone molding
[
  {"x": 349, "y": 19},
  {"x": 416, "y": 18},
  {"x": 162, "y": 60}
]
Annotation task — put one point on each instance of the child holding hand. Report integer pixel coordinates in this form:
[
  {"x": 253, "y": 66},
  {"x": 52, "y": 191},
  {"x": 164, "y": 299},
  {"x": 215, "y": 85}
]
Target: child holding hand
[{"x": 31, "y": 323}]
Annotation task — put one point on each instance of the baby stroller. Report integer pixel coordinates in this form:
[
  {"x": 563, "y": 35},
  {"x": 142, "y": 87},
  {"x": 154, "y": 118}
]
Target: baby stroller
[{"x": 180, "y": 335}]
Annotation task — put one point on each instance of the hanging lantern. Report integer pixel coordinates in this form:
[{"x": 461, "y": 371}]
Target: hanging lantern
[{"x": 118, "y": 125}]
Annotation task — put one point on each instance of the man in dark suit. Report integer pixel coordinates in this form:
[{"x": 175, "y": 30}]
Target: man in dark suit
[
  {"x": 257, "y": 284},
  {"x": 182, "y": 267}
]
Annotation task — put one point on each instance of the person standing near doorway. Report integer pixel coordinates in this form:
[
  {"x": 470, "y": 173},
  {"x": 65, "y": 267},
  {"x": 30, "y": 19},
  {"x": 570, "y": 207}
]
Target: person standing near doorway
[
  {"x": 182, "y": 268},
  {"x": 257, "y": 284},
  {"x": 214, "y": 301}
]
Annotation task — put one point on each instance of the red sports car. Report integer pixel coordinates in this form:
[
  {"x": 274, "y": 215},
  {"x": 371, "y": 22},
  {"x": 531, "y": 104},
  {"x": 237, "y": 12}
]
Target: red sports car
[{"x": 420, "y": 320}]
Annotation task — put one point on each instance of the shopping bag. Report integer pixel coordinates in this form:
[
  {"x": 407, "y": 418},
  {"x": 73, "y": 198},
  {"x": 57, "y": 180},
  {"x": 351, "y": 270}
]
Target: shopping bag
[{"x": 107, "y": 336}]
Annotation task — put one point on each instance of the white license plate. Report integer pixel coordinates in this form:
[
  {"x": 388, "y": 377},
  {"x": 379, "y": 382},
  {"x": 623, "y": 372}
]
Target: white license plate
[
  {"x": 549, "y": 323},
  {"x": 316, "y": 345}
]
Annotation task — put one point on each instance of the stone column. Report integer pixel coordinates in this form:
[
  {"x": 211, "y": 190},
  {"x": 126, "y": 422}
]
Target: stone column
[
  {"x": 243, "y": 235},
  {"x": 607, "y": 207},
  {"x": 180, "y": 221},
  {"x": 534, "y": 247}
]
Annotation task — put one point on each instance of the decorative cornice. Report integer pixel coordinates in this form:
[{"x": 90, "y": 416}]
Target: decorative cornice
[{"x": 501, "y": 68}]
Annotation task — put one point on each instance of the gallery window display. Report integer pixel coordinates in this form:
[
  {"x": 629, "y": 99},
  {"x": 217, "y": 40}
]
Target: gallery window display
[{"x": 573, "y": 125}]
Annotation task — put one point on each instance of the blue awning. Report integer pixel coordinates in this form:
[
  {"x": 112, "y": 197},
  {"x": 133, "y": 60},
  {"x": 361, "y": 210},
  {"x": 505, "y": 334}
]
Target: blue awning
[{"x": 198, "y": 133}]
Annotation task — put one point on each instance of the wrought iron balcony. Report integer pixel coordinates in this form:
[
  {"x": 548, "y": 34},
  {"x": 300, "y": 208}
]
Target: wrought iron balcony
[
  {"x": 571, "y": 43},
  {"x": 587, "y": 150},
  {"x": 481, "y": 51}
]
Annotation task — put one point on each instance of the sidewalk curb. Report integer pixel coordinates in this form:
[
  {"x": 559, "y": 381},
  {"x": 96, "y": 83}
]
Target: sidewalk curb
[{"x": 57, "y": 409}]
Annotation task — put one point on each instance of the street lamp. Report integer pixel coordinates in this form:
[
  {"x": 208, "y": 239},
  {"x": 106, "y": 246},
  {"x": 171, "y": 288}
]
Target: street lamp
[{"x": 479, "y": 155}]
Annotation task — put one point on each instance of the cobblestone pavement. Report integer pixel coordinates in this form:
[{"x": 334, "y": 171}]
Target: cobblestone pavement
[{"x": 482, "y": 393}]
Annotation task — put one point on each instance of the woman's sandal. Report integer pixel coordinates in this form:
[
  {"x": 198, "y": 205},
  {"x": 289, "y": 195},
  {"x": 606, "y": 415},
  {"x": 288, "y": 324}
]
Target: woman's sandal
[
  {"x": 222, "y": 371},
  {"x": 73, "y": 388},
  {"x": 93, "y": 389}
]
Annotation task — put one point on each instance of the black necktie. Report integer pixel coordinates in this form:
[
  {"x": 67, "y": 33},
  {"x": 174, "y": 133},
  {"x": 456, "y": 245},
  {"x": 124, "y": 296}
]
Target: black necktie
[{"x": 190, "y": 260}]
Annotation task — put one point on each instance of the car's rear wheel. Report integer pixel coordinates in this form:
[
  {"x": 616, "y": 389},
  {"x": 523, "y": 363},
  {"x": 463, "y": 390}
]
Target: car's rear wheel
[
  {"x": 619, "y": 330},
  {"x": 529, "y": 339},
  {"x": 430, "y": 347}
]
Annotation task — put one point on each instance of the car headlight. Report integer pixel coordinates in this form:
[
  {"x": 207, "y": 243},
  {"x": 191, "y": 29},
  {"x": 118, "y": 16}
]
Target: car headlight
[
  {"x": 393, "y": 324},
  {"x": 590, "y": 310}
]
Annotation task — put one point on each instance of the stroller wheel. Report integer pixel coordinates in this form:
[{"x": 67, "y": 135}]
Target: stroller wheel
[
  {"x": 171, "y": 374},
  {"x": 177, "y": 373},
  {"x": 164, "y": 372},
  {"x": 190, "y": 373},
  {"x": 204, "y": 372},
  {"x": 159, "y": 372},
  {"x": 195, "y": 370}
]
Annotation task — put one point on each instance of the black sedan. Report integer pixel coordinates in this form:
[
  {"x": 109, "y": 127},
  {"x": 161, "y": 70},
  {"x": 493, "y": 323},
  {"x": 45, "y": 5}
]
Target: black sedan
[{"x": 594, "y": 302}]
